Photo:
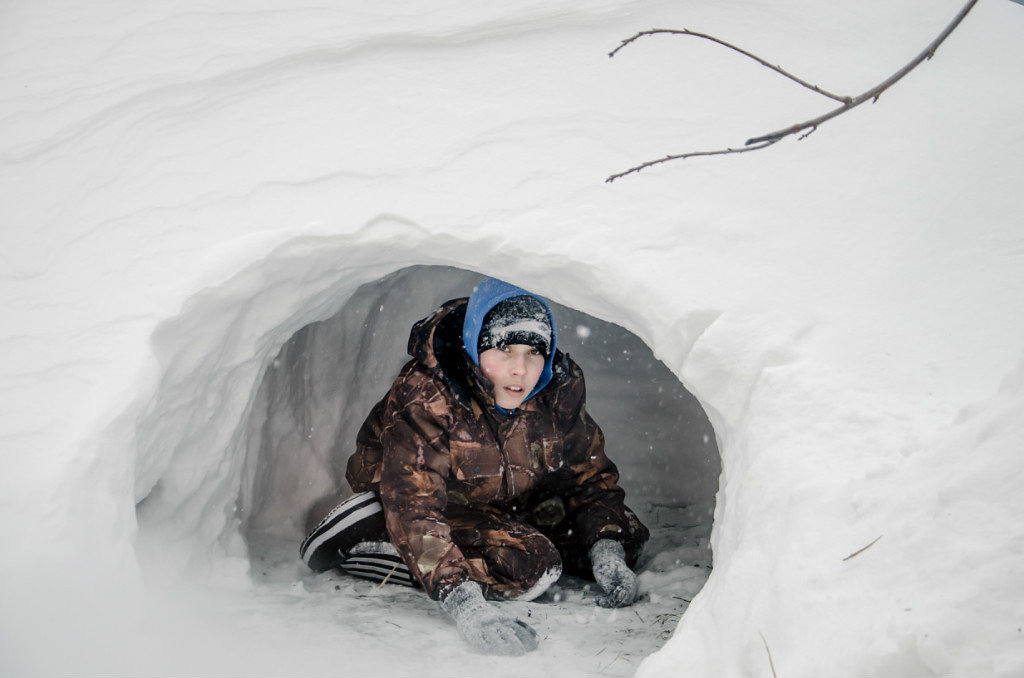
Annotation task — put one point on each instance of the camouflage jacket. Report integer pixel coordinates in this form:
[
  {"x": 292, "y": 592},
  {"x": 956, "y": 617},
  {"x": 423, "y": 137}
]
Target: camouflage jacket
[{"x": 437, "y": 439}]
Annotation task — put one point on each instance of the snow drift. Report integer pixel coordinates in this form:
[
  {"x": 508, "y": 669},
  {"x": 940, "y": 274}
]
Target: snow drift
[{"x": 186, "y": 188}]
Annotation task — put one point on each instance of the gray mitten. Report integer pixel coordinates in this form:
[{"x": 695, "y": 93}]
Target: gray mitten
[
  {"x": 608, "y": 560},
  {"x": 484, "y": 625}
]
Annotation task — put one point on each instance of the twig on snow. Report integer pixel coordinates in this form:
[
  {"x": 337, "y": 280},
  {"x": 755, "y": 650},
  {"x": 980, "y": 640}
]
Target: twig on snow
[
  {"x": 617, "y": 658},
  {"x": 862, "y": 550},
  {"x": 771, "y": 662},
  {"x": 388, "y": 576},
  {"x": 668, "y": 617},
  {"x": 809, "y": 126}
]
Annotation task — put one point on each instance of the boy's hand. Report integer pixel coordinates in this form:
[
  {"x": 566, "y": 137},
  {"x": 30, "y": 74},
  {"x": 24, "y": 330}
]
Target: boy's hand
[
  {"x": 485, "y": 626},
  {"x": 608, "y": 560}
]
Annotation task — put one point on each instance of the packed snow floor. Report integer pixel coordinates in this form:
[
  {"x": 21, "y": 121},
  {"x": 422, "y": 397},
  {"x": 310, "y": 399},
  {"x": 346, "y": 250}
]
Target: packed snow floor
[{"x": 578, "y": 638}]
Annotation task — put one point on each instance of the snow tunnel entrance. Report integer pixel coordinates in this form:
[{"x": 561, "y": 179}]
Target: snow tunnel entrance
[
  {"x": 318, "y": 389},
  {"x": 265, "y": 382}
]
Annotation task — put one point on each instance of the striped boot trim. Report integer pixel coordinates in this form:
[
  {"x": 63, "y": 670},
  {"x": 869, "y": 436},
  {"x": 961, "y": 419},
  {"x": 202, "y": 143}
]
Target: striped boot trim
[
  {"x": 380, "y": 568},
  {"x": 321, "y": 549}
]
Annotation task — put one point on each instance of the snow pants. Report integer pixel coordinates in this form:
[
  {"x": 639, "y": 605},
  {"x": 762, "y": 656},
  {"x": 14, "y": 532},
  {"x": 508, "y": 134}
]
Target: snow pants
[{"x": 507, "y": 556}]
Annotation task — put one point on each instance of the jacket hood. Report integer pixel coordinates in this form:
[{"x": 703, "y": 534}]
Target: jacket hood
[{"x": 486, "y": 296}]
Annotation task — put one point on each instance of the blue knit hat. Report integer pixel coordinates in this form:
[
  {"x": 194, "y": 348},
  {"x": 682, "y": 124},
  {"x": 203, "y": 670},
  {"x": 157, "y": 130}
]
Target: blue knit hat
[{"x": 487, "y": 296}]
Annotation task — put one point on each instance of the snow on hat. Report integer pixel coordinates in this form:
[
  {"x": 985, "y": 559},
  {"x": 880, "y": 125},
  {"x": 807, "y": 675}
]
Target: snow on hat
[
  {"x": 486, "y": 295},
  {"x": 522, "y": 319}
]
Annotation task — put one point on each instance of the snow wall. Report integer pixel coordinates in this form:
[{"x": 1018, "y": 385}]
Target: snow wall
[{"x": 846, "y": 310}]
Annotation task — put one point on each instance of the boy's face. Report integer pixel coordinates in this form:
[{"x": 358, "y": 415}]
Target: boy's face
[{"x": 514, "y": 371}]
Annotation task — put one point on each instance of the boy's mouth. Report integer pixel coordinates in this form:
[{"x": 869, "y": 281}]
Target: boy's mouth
[{"x": 515, "y": 391}]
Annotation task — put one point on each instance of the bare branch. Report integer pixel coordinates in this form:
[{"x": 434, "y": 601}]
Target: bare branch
[
  {"x": 695, "y": 34},
  {"x": 693, "y": 154},
  {"x": 809, "y": 126},
  {"x": 877, "y": 90}
]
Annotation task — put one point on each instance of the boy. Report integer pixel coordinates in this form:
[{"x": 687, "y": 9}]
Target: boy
[{"x": 481, "y": 476}]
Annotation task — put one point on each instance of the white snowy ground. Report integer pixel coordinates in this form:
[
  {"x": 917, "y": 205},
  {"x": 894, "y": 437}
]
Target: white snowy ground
[
  {"x": 187, "y": 185},
  {"x": 398, "y": 631}
]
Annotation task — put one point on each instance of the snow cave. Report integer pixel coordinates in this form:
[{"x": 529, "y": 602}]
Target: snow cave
[
  {"x": 316, "y": 391},
  {"x": 286, "y": 447}
]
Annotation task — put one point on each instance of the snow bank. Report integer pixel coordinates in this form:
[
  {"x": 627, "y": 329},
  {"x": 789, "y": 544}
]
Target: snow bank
[{"x": 187, "y": 187}]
